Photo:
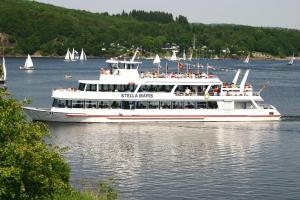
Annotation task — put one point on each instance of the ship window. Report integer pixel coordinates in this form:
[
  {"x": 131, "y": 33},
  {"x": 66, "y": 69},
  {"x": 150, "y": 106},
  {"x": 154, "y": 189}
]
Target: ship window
[
  {"x": 201, "y": 105},
  {"x": 61, "y": 104},
  {"x": 212, "y": 105},
  {"x": 115, "y": 105},
  {"x": 91, "y": 104},
  {"x": 141, "y": 105},
  {"x": 69, "y": 103},
  {"x": 81, "y": 86},
  {"x": 91, "y": 87},
  {"x": 120, "y": 88},
  {"x": 78, "y": 104},
  {"x": 186, "y": 90},
  {"x": 122, "y": 66},
  {"x": 156, "y": 88},
  {"x": 165, "y": 104},
  {"x": 153, "y": 104},
  {"x": 132, "y": 87},
  {"x": 105, "y": 88},
  {"x": 177, "y": 105},
  {"x": 189, "y": 104},
  {"x": 128, "y": 105},
  {"x": 104, "y": 104},
  {"x": 55, "y": 103},
  {"x": 201, "y": 90}
]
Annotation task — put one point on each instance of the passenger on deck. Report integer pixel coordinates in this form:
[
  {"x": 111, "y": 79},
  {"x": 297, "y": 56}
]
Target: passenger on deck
[
  {"x": 216, "y": 90},
  {"x": 187, "y": 91}
]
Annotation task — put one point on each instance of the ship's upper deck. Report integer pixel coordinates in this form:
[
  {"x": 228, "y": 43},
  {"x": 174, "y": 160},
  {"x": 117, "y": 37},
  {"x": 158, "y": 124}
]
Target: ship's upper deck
[{"x": 124, "y": 77}]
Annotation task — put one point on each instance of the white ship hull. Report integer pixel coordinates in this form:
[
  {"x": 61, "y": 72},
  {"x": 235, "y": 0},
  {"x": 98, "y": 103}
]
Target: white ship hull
[{"x": 159, "y": 115}]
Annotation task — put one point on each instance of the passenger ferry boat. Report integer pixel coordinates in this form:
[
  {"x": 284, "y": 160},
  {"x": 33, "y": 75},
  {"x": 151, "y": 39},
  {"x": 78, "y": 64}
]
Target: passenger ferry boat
[{"x": 122, "y": 94}]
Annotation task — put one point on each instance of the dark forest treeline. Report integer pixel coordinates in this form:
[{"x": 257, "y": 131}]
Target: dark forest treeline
[{"x": 49, "y": 30}]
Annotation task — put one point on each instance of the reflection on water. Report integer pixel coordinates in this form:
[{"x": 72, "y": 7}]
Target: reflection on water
[
  {"x": 178, "y": 160},
  {"x": 182, "y": 160}
]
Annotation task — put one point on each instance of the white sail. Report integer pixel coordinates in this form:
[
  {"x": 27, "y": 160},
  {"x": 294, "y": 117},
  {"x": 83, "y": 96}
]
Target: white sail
[
  {"x": 173, "y": 58},
  {"x": 156, "y": 60},
  {"x": 73, "y": 54},
  {"x": 4, "y": 69},
  {"x": 68, "y": 55},
  {"x": 28, "y": 63},
  {"x": 82, "y": 55},
  {"x": 183, "y": 56},
  {"x": 291, "y": 60},
  {"x": 247, "y": 59}
]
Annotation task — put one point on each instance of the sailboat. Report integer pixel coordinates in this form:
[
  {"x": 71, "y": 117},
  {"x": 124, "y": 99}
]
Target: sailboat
[
  {"x": 247, "y": 59},
  {"x": 3, "y": 77},
  {"x": 174, "y": 58},
  {"x": 291, "y": 62},
  {"x": 82, "y": 55},
  {"x": 191, "y": 56},
  {"x": 68, "y": 55},
  {"x": 156, "y": 59},
  {"x": 28, "y": 64},
  {"x": 74, "y": 55},
  {"x": 183, "y": 55}
]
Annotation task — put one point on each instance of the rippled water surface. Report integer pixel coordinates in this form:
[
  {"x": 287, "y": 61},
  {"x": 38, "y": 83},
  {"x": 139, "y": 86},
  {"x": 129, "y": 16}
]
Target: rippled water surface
[{"x": 179, "y": 160}]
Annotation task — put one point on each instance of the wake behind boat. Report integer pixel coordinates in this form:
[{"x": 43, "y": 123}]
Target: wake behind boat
[
  {"x": 122, "y": 94},
  {"x": 28, "y": 64}
]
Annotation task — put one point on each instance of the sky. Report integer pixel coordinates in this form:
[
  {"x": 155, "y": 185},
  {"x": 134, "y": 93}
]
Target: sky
[{"x": 267, "y": 13}]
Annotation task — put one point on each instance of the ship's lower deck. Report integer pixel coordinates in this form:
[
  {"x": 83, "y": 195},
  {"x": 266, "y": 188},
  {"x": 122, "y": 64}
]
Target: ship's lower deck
[{"x": 160, "y": 115}]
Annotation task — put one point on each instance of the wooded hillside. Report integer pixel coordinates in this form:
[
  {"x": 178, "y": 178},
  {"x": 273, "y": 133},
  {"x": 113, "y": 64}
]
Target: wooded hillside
[{"x": 49, "y": 30}]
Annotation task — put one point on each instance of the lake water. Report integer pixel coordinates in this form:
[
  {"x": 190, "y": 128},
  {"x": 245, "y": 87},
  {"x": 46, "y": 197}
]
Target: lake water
[{"x": 178, "y": 160}]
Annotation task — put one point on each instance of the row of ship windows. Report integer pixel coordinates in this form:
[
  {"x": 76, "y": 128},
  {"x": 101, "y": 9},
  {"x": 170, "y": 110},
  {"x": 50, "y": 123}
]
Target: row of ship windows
[
  {"x": 143, "y": 88},
  {"x": 135, "y": 104}
]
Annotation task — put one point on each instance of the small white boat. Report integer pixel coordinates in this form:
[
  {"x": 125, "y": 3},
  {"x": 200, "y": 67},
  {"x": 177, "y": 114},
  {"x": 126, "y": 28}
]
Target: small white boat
[
  {"x": 68, "y": 55},
  {"x": 246, "y": 61},
  {"x": 191, "y": 56},
  {"x": 156, "y": 59},
  {"x": 174, "y": 57},
  {"x": 67, "y": 76},
  {"x": 82, "y": 56},
  {"x": 28, "y": 64},
  {"x": 74, "y": 55},
  {"x": 3, "y": 77},
  {"x": 183, "y": 55},
  {"x": 291, "y": 62}
]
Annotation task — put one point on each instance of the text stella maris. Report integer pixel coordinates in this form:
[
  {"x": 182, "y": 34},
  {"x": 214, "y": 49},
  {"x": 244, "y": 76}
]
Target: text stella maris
[{"x": 137, "y": 96}]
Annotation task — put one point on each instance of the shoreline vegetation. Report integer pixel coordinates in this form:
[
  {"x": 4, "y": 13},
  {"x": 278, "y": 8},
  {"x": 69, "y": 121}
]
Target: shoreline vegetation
[
  {"x": 30, "y": 168},
  {"x": 144, "y": 57},
  {"x": 39, "y": 29}
]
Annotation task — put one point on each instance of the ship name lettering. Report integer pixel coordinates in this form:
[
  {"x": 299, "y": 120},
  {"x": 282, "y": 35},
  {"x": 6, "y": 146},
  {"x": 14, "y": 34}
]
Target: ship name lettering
[{"x": 136, "y": 95}]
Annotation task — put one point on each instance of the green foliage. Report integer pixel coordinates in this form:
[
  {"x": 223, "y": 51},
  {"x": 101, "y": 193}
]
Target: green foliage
[
  {"x": 29, "y": 168},
  {"x": 34, "y": 26},
  {"x": 182, "y": 20},
  {"x": 106, "y": 191},
  {"x": 152, "y": 16}
]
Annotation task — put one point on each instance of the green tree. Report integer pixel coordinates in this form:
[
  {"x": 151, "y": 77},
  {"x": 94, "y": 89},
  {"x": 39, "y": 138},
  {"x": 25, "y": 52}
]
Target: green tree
[{"x": 29, "y": 168}]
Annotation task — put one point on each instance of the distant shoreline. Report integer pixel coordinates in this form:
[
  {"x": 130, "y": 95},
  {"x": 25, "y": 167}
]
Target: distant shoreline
[{"x": 146, "y": 58}]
